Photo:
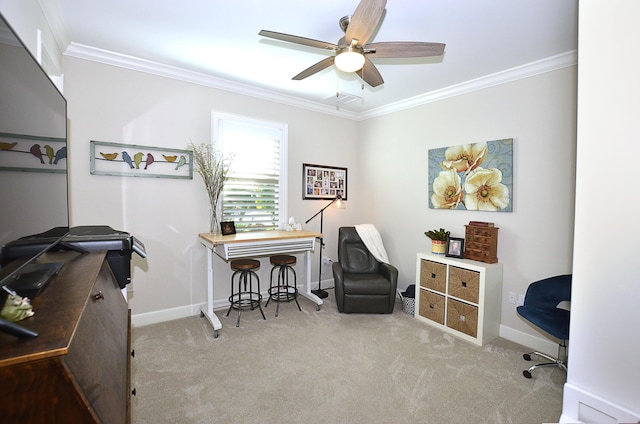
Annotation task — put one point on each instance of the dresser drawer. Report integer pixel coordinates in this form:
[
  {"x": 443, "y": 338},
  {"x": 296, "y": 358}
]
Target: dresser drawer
[
  {"x": 98, "y": 356},
  {"x": 482, "y": 239},
  {"x": 462, "y": 317},
  {"x": 464, "y": 284},
  {"x": 433, "y": 276},
  {"x": 432, "y": 306}
]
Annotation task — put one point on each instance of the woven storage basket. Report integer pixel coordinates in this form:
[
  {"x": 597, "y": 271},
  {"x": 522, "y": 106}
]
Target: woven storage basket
[
  {"x": 432, "y": 306},
  {"x": 464, "y": 284},
  {"x": 433, "y": 275},
  {"x": 462, "y": 317},
  {"x": 408, "y": 303}
]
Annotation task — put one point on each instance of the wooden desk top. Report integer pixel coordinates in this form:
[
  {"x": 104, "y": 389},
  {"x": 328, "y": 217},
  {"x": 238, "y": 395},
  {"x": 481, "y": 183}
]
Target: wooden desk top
[{"x": 257, "y": 236}]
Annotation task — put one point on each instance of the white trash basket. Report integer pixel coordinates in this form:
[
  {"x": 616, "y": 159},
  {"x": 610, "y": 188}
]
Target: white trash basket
[{"x": 408, "y": 303}]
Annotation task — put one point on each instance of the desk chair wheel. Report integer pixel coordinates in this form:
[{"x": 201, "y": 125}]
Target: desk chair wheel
[
  {"x": 527, "y": 357},
  {"x": 526, "y": 373}
]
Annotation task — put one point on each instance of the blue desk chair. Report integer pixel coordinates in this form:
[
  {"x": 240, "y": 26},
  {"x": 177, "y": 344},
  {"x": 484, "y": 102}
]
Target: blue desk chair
[{"x": 546, "y": 306}]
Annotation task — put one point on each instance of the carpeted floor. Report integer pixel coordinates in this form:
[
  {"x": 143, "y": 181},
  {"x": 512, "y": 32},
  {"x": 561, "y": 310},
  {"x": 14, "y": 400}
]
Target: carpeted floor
[{"x": 325, "y": 367}]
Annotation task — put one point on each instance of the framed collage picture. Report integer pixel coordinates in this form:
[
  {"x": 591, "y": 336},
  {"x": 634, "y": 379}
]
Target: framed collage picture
[{"x": 323, "y": 182}]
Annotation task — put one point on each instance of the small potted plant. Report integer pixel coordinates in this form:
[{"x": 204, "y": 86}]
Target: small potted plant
[{"x": 438, "y": 239}]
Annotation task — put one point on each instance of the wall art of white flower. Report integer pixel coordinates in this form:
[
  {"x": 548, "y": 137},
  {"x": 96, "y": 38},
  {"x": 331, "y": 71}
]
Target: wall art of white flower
[{"x": 475, "y": 176}]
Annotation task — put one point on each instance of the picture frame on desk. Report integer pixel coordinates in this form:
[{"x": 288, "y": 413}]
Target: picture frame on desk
[
  {"x": 227, "y": 228},
  {"x": 455, "y": 247}
]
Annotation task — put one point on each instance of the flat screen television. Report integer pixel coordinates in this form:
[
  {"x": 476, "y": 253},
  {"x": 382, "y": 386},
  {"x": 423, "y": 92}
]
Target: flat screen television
[{"x": 33, "y": 151}]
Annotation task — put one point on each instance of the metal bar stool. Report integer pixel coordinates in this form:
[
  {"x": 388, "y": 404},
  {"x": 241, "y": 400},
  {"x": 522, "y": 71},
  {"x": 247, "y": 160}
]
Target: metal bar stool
[
  {"x": 283, "y": 291},
  {"x": 243, "y": 298}
]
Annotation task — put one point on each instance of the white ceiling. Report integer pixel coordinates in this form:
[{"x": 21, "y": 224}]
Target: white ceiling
[{"x": 220, "y": 38}]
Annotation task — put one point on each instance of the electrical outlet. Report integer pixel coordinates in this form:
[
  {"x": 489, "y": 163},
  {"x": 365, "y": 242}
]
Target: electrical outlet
[
  {"x": 520, "y": 300},
  {"x": 512, "y": 298}
]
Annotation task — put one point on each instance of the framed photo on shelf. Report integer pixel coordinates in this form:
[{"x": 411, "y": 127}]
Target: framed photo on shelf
[
  {"x": 227, "y": 228},
  {"x": 323, "y": 182},
  {"x": 455, "y": 247}
]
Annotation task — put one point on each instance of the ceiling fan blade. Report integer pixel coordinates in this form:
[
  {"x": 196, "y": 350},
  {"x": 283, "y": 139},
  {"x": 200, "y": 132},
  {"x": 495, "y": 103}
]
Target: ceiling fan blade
[
  {"x": 324, "y": 63},
  {"x": 364, "y": 20},
  {"x": 401, "y": 49},
  {"x": 298, "y": 40},
  {"x": 370, "y": 74}
]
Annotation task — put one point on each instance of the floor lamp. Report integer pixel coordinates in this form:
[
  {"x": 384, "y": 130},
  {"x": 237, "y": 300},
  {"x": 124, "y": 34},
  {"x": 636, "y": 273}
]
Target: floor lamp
[{"x": 339, "y": 204}]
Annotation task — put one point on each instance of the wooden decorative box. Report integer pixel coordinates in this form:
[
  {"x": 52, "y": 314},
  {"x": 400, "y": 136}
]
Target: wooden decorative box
[{"x": 481, "y": 242}]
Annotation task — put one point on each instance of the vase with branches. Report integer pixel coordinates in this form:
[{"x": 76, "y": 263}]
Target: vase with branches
[{"x": 214, "y": 170}]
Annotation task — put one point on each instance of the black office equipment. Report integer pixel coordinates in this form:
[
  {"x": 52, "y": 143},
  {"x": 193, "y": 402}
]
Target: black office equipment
[
  {"x": 33, "y": 278},
  {"x": 119, "y": 246}
]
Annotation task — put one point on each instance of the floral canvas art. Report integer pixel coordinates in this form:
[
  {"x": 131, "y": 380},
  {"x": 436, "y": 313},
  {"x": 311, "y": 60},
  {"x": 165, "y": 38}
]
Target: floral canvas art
[{"x": 476, "y": 176}]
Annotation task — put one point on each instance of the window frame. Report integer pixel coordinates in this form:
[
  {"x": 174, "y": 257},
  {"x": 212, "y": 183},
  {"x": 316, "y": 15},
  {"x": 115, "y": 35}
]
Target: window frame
[{"x": 217, "y": 123}]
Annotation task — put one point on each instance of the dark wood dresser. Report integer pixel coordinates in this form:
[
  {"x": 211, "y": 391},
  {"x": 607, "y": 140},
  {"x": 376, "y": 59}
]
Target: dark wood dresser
[{"x": 78, "y": 369}]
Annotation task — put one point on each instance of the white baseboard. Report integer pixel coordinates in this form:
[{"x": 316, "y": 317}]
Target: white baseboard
[
  {"x": 139, "y": 320},
  {"x": 580, "y": 406},
  {"x": 147, "y": 318},
  {"x": 534, "y": 343}
]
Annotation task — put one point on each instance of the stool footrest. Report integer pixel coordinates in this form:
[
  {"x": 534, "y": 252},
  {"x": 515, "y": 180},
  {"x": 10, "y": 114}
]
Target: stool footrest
[
  {"x": 283, "y": 293},
  {"x": 245, "y": 300}
]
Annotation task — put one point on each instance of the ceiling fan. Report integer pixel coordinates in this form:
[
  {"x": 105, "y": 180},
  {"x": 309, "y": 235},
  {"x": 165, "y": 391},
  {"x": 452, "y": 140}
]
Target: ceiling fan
[{"x": 352, "y": 52}]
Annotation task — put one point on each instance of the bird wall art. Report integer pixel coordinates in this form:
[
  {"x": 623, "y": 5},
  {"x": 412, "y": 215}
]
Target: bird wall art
[{"x": 109, "y": 158}]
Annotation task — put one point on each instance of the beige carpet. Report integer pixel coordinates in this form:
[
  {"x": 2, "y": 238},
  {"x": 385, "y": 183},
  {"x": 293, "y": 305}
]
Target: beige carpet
[{"x": 325, "y": 367}]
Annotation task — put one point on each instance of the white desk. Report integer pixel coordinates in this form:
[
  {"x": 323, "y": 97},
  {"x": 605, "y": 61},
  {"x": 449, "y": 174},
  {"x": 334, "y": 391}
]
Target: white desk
[{"x": 256, "y": 244}]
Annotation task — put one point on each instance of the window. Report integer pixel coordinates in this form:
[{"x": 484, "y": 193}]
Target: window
[{"x": 255, "y": 197}]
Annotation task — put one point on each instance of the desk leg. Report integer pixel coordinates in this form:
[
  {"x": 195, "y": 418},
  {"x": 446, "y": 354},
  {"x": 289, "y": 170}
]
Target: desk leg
[
  {"x": 307, "y": 287},
  {"x": 207, "y": 310}
]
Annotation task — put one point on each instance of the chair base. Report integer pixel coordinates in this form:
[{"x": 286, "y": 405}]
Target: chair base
[{"x": 560, "y": 361}]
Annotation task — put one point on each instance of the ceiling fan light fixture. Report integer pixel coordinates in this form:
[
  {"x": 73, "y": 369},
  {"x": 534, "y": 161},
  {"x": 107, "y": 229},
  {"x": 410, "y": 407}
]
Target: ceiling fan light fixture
[{"x": 349, "y": 59}]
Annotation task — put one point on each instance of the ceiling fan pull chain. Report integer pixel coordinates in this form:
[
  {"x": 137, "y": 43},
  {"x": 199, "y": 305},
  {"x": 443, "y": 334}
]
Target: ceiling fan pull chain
[{"x": 337, "y": 89}]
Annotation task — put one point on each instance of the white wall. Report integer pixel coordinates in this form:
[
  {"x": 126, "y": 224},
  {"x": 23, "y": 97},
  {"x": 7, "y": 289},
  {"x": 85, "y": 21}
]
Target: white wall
[
  {"x": 604, "y": 371},
  {"x": 108, "y": 103},
  {"x": 535, "y": 240}
]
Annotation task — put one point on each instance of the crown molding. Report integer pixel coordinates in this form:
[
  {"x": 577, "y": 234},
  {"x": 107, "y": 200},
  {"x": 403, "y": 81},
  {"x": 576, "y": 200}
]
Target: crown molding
[
  {"x": 542, "y": 66},
  {"x": 142, "y": 65}
]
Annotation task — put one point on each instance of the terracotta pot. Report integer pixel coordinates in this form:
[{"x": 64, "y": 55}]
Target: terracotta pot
[{"x": 438, "y": 246}]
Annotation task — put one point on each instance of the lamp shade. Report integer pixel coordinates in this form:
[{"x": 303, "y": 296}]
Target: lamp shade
[
  {"x": 349, "y": 60},
  {"x": 338, "y": 203}
]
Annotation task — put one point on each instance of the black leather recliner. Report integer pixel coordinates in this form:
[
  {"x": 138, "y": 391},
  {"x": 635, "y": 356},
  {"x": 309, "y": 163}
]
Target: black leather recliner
[{"x": 362, "y": 284}]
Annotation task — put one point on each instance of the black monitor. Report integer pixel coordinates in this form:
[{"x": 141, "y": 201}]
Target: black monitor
[{"x": 33, "y": 148}]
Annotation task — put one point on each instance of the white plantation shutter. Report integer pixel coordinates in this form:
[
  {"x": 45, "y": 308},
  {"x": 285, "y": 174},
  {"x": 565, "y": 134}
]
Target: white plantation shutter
[{"x": 254, "y": 197}]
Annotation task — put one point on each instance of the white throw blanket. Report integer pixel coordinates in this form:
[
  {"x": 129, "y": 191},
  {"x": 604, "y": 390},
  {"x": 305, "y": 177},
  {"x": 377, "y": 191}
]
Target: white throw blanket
[{"x": 371, "y": 238}]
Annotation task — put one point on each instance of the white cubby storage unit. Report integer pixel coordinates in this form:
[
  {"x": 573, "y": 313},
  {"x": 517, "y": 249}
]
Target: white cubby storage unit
[{"x": 459, "y": 296}]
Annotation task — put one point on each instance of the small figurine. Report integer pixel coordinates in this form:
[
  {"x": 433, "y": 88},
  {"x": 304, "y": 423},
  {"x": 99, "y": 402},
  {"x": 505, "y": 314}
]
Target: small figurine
[{"x": 16, "y": 308}]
